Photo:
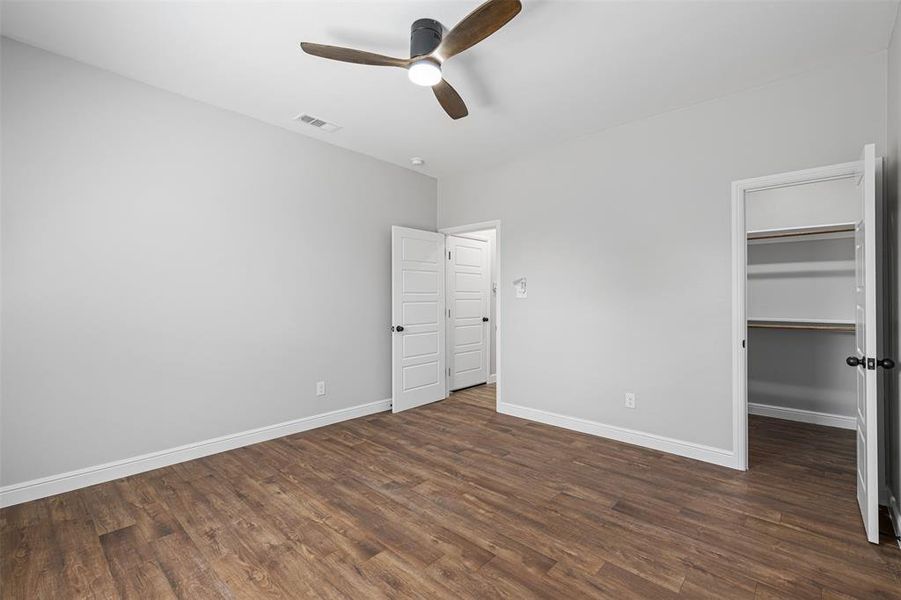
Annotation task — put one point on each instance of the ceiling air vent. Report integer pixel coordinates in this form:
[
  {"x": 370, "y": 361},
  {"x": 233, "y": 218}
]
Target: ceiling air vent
[{"x": 317, "y": 122}]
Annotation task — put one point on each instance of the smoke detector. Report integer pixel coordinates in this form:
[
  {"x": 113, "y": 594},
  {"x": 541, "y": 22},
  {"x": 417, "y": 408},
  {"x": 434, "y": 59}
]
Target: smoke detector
[{"x": 316, "y": 122}]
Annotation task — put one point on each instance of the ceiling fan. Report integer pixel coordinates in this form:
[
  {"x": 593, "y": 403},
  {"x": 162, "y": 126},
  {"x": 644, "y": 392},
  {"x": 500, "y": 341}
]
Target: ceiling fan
[{"x": 430, "y": 47}]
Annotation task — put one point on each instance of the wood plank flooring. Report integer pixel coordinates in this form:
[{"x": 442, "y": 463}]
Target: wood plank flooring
[{"x": 454, "y": 500}]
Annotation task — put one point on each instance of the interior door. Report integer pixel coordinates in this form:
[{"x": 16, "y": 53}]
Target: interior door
[
  {"x": 417, "y": 307},
  {"x": 868, "y": 340},
  {"x": 469, "y": 295}
]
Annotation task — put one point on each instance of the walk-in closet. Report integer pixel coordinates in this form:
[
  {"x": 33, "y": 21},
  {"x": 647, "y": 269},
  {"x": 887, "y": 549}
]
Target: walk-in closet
[
  {"x": 810, "y": 358},
  {"x": 800, "y": 301}
]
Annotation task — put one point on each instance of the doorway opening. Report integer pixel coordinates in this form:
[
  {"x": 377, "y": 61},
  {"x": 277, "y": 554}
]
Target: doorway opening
[
  {"x": 446, "y": 313},
  {"x": 473, "y": 305},
  {"x": 471, "y": 309},
  {"x": 807, "y": 304}
]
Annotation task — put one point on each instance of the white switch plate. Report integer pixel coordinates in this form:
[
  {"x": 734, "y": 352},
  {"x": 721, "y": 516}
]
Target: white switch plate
[
  {"x": 520, "y": 286},
  {"x": 320, "y": 388},
  {"x": 630, "y": 400}
]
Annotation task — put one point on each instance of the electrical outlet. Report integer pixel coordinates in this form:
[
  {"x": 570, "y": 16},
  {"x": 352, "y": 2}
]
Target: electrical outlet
[
  {"x": 320, "y": 388},
  {"x": 630, "y": 400}
]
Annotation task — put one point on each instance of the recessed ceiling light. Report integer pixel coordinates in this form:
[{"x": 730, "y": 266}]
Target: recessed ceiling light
[{"x": 416, "y": 161}]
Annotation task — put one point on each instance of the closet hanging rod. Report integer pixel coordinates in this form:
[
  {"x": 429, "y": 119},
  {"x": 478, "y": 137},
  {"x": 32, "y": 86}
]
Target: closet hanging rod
[
  {"x": 794, "y": 232},
  {"x": 803, "y": 325}
]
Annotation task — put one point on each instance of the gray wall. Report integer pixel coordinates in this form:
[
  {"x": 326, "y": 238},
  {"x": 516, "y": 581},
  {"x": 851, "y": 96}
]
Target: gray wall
[
  {"x": 893, "y": 196},
  {"x": 820, "y": 203},
  {"x": 808, "y": 279},
  {"x": 625, "y": 237},
  {"x": 802, "y": 369},
  {"x": 173, "y": 272}
]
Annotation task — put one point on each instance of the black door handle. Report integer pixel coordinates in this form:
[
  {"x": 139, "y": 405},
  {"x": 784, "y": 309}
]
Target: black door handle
[
  {"x": 399, "y": 328},
  {"x": 484, "y": 319},
  {"x": 886, "y": 363},
  {"x": 853, "y": 361}
]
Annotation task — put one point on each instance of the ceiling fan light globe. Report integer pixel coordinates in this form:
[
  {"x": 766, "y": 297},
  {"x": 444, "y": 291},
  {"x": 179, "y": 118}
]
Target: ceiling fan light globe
[{"x": 424, "y": 72}]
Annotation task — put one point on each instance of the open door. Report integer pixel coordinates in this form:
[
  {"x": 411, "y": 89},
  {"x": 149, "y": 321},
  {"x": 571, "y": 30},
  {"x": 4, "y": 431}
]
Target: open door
[
  {"x": 469, "y": 307},
  {"x": 868, "y": 343},
  {"x": 417, "y": 309}
]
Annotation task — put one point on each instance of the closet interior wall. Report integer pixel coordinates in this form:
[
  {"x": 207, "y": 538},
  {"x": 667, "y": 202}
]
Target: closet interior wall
[{"x": 801, "y": 300}]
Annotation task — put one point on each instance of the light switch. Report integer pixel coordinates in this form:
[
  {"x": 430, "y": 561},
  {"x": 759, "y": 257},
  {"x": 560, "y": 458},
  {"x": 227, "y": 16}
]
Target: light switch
[{"x": 520, "y": 286}]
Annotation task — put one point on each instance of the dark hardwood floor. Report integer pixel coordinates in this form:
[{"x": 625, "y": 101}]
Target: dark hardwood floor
[{"x": 454, "y": 500}]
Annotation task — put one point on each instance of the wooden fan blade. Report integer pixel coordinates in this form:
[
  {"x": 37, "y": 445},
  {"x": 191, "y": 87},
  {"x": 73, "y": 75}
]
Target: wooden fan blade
[
  {"x": 477, "y": 25},
  {"x": 353, "y": 56},
  {"x": 450, "y": 100}
]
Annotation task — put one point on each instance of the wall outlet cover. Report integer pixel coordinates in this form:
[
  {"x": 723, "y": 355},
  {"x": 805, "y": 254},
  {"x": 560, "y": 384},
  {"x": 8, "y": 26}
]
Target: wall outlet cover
[
  {"x": 320, "y": 388},
  {"x": 630, "y": 400}
]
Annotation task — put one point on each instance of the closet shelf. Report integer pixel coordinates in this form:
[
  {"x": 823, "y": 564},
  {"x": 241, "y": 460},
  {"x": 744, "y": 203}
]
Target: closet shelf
[
  {"x": 798, "y": 324},
  {"x": 797, "y": 234}
]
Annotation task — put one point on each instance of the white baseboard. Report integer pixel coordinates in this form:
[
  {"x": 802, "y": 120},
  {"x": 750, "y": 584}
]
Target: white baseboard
[
  {"x": 492, "y": 378},
  {"x": 73, "y": 480},
  {"x": 804, "y": 416},
  {"x": 717, "y": 456}
]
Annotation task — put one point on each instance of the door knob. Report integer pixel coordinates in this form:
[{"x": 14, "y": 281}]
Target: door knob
[
  {"x": 399, "y": 328},
  {"x": 853, "y": 361},
  {"x": 886, "y": 363},
  {"x": 484, "y": 319}
]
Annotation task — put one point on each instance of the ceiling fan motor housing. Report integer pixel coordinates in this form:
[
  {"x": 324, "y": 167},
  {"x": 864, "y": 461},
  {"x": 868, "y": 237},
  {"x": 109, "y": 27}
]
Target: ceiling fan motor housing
[{"x": 425, "y": 35}]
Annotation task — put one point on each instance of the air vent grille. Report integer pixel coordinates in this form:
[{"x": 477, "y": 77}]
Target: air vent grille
[{"x": 316, "y": 122}]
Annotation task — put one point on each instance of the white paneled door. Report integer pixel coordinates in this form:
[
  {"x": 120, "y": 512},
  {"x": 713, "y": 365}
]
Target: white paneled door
[
  {"x": 469, "y": 294},
  {"x": 869, "y": 361},
  {"x": 418, "y": 308}
]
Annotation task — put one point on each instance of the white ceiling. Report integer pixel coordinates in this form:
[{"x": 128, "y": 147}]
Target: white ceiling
[{"x": 557, "y": 71}]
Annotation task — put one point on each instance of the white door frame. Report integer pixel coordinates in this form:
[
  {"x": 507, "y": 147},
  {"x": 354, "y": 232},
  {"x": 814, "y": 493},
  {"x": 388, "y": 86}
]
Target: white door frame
[
  {"x": 472, "y": 228},
  {"x": 739, "y": 285}
]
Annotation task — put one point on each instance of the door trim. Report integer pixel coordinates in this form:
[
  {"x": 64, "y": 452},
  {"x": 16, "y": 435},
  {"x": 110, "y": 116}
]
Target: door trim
[
  {"x": 472, "y": 228},
  {"x": 739, "y": 285}
]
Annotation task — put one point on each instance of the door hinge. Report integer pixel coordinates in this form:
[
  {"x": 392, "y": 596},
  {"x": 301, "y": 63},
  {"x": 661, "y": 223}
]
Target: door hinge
[
  {"x": 448, "y": 254},
  {"x": 743, "y": 344},
  {"x": 448, "y": 371},
  {"x": 448, "y": 314}
]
